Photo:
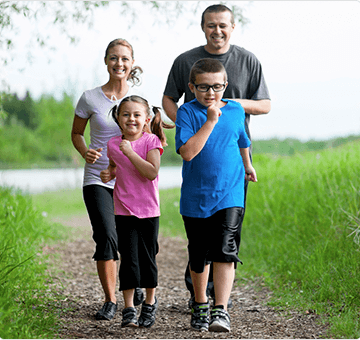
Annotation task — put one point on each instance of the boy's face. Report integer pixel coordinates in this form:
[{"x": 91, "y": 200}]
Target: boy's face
[{"x": 210, "y": 97}]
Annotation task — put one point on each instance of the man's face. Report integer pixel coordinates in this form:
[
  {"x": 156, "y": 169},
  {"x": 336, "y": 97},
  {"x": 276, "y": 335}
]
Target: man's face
[{"x": 218, "y": 29}]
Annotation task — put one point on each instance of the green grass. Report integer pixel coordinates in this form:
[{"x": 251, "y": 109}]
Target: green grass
[
  {"x": 300, "y": 235},
  {"x": 28, "y": 306},
  {"x": 296, "y": 233}
]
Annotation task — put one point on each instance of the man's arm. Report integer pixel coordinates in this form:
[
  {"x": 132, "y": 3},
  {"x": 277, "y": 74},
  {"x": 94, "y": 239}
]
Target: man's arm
[
  {"x": 255, "y": 107},
  {"x": 170, "y": 107}
]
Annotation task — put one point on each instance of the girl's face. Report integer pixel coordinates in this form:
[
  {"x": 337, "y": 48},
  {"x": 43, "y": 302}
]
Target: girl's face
[
  {"x": 132, "y": 119},
  {"x": 119, "y": 62}
]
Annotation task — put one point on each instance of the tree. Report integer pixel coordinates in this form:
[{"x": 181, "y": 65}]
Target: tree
[
  {"x": 67, "y": 15},
  {"x": 62, "y": 14}
]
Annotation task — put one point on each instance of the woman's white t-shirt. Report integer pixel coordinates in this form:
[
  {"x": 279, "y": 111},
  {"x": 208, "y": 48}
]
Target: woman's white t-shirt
[{"x": 95, "y": 106}]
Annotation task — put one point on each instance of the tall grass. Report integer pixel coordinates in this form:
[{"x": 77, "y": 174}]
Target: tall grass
[
  {"x": 27, "y": 304},
  {"x": 300, "y": 233}
]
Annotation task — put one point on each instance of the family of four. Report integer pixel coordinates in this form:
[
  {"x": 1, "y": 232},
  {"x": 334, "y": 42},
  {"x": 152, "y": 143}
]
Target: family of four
[{"x": 223, "y": 85}]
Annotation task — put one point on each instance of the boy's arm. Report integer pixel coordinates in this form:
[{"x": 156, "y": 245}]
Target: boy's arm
[
  {"x": 250, "y": 173},
  {"x": 108, "y": 174},
  {"x": 196, "y": 143}
]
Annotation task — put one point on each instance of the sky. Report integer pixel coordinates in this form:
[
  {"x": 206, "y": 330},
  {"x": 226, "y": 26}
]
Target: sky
[{"x": 309, "y": 51}]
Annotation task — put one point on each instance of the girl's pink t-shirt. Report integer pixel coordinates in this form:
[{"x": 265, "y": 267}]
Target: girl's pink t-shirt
[{"x": 134, "y": 194}]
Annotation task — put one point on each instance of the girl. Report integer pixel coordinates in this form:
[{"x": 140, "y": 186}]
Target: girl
[
  {"x": 92, "y": 109},
  {"x": 134, "y": 159}
]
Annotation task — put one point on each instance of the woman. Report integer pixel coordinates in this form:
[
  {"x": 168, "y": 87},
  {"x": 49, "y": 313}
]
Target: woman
[{"x": 94, "y": 106}]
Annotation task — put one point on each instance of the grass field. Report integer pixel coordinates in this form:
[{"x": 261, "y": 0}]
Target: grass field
[{"x": 300, "y": 235}]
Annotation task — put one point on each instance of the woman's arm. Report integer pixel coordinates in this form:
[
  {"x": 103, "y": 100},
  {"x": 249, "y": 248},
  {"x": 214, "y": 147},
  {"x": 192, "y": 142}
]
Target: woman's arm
[
  {"x": 148, "y": 168},
  {"x": 78, "y": 140}
]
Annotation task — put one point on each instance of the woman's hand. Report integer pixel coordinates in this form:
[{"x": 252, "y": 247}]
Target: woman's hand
[{"x": 91, "y": 155}]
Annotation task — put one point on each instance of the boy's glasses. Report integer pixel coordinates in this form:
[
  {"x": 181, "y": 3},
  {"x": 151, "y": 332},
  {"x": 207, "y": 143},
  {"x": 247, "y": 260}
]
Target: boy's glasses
[{"x": 205, "y": 87}]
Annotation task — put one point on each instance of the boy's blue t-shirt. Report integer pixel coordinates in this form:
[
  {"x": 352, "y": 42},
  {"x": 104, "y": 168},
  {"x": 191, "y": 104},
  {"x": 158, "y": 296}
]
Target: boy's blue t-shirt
[{"x": 214, "y": 179}]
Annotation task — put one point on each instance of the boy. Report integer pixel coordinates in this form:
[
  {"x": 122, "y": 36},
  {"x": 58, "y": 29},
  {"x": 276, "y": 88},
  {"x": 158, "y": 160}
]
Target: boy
[{"x": 209, "y": 133}]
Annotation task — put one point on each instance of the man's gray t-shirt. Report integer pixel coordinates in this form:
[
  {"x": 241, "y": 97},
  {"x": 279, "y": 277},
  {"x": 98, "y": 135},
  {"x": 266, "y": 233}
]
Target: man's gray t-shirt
[{"x": 245, "y": 76}]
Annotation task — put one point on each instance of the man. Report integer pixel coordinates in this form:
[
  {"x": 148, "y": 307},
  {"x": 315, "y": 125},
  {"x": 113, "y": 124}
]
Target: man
[{"x": 246, "y": 81}]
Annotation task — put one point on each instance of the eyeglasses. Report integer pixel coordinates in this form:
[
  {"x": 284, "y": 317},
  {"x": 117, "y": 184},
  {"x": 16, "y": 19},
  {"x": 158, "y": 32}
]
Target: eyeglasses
[{"x": 205, "y": 87}]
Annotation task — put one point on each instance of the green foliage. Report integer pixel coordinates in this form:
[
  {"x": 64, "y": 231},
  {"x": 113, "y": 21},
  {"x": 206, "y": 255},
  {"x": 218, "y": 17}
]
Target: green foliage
[
  {"x": 46, "y": 143},
  {"x": 27, "y": 305},
  {"x": 170, "y": 157},
  {"x": 297, "y": 228},
  {"x": 291, "y": 146},
  {"x": 20, "y": 111}
]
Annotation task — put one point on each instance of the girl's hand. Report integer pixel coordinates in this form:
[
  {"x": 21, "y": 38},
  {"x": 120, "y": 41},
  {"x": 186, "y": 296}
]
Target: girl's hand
[
  {"x": 91, "y": 155},
  {"x": 105, "y": 176},
  {"x": 250, "y": 174},
  {"x": 213, "y": 113},
  {"x": 125, "y": 147}
]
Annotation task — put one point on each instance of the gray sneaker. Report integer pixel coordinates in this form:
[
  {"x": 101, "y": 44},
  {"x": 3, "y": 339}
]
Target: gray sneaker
[
  {"x": 148, "y": 314},
  {"x": 220, "y": 320},
  {"x": 129, "y": 318},
  {"x": 200, "y": 316}
]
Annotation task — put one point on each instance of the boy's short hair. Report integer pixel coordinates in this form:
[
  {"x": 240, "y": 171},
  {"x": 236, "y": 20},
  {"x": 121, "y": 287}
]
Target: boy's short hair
[{"x": 206, "y": 65}]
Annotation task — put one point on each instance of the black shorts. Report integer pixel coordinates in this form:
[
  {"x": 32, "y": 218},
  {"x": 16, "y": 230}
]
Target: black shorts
[
  {"x": 215, "y": 239},
  {"x": 100, "y": 206},
  {"x": 138, "y": 245}
]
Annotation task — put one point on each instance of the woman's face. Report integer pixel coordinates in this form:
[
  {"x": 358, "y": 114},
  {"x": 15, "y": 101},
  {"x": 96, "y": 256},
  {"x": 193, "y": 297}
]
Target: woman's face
[{"x": 119, "y": 62}]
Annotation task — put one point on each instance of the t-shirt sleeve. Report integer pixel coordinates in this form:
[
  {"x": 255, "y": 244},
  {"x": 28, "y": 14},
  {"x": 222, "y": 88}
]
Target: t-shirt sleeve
[
  {"x": 257, "y": 88},
  {"x": 174, "y": 85},
  {"x": 184, "y": 130},
  {"x": 155, "y": 143},
  {"x": 82, "y": 109}
]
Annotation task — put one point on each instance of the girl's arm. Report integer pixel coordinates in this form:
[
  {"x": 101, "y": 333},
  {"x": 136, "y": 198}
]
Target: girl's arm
[
  {"x": 196, "y": 143},
  {"x": 148, "y": 168},
  {"x": 108, "y": 174},
  {"x": 250, "y": 173}
]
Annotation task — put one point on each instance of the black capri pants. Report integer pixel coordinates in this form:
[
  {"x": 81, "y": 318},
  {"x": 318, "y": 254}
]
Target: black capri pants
[
  {"x": 100, "y": 206},
  {"x": 214, "y": 239},
  {"x": 138, "y": 246}
]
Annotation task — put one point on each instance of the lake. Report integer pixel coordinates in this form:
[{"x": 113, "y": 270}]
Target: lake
[{"x": 34, "y": 181}]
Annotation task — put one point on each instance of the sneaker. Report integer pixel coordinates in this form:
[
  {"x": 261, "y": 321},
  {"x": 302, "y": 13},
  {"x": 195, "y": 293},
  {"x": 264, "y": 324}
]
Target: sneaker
[
  {"x": 138, "y": 296},
  {"x": 191, "y": 301},
  {"x": 147, "y": 316},
  {"x": 211, "y": 293},
  {"x": 107, "y": 311},
  {"x": 129, "y": 318},
  {"x": 220, "y": 320},
  {"x": 200, "y": 316}
]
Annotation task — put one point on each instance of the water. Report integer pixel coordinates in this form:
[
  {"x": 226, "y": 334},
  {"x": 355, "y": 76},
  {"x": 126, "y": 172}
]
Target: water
[{"x": 34, "y": 181}]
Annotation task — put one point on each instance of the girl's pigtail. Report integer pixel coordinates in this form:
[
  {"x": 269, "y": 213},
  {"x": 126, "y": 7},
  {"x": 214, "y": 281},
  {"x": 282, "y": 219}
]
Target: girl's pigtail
[
  {"x": 157, "y": 126},
  {"x": 114, "y": 114}
]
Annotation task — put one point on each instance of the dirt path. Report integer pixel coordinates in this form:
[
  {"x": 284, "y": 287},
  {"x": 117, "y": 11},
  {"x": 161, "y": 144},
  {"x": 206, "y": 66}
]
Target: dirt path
[{"x": 250, "y": 317}]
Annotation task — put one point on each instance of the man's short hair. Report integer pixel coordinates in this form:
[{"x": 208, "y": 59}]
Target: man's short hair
[
  {"x": 216, "y": 9},
  {"x": 206, "y": 65}
]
